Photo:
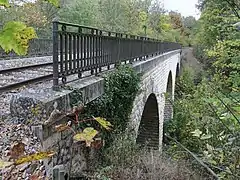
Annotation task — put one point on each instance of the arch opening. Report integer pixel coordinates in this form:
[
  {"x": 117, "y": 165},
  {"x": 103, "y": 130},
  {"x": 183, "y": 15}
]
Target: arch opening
[
  {"x": 177, "y": 71},
  {"x": 168, "y": 110},
  {"x": 148, "y": 132}
]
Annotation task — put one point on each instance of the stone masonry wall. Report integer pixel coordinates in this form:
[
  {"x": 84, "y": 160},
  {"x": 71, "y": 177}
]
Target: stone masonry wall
[
  {"x": 154, "y": 80},
  {"x": 168, "y": 110}
]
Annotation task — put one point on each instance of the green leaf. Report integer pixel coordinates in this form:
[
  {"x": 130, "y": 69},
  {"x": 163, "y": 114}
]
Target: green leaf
[
  {"x": 4, "y": 3},
  {"x": 87, "y": 135},
  {"x": 102, "y": 121},
  {"x": 197, "y": 133},
  {"x": 54, "y": 2},
  {"x": 15, "y": 36}
]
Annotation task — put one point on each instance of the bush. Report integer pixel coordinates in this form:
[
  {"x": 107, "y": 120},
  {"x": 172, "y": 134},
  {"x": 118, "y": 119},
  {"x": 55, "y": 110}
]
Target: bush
[{"x": 121, "y": 87}]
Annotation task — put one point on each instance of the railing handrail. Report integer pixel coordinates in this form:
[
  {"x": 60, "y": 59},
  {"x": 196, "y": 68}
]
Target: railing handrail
[{"x": 78, "y": 48}]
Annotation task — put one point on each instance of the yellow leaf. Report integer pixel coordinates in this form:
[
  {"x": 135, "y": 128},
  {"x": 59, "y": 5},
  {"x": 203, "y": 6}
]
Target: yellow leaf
[
  {"x": 4, "y": 164},
  {"x": 4, "y": 3},
  {"x": 87, "y": 135},
  {"x": 34, "y": 157},
  {"x": 104, "y": 123},
  {"x": 15, "y": 36}
]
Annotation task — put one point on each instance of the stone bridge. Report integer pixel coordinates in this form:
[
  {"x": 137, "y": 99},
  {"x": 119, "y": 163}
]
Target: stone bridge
[
  {"x": 81, "y": 56},
  {"x": 150, "y": 109},
  {"x": 152, "y": 105}
]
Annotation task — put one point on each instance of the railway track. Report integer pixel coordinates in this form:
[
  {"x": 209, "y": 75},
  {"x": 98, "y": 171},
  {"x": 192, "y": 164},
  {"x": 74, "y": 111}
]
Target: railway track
[{"x": 15, "y": 77}]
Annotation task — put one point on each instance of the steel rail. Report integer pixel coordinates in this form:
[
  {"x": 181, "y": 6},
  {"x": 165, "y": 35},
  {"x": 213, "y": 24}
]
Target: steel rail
[
  {"x": 9, "y": 70},
  {"x": 22, "y": 83}
]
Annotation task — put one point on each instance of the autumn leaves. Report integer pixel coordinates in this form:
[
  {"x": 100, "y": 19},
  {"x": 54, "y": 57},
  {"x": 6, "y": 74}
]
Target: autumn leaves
[
  {"x": 19, "y": 155},
  {"x": 88, "y": 134}
]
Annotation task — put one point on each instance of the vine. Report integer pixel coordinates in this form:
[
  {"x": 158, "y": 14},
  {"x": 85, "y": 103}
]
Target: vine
[{"x": 121, "y": 87}]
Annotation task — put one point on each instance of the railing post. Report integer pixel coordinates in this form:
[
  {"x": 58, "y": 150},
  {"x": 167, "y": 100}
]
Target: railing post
[
  {"x": 92, "y": 52},
  {"x": 55, "y": 55},
  {"x": 110, "y": 50},
  {"x": 118, "y": 50}
]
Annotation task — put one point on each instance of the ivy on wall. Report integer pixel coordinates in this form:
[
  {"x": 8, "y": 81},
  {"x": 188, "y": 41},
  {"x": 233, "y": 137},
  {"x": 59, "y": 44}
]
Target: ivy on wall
[{"x": 120, "y": 89}]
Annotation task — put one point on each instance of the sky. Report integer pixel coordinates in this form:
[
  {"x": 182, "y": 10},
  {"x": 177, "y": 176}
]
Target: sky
[{"x": 185, "y": 7}]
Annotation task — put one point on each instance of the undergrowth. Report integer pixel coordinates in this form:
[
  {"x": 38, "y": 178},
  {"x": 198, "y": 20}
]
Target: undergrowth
[
  {"x": 124, "y": 159},
  {"x": 120, "y": 89}
]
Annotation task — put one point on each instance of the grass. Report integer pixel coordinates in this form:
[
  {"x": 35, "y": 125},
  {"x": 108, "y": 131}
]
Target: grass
[{"x": 125, "y": 160}]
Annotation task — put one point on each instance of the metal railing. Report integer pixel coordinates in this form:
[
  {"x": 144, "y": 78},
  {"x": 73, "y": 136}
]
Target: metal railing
[
  {"x": 37, "y": 47},
  {"x": 79, "y": 48}
]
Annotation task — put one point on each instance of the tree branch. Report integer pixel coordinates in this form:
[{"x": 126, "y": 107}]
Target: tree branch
[
  {"x": 233, "y": 6},
  {"x": 195, "y": 157}
]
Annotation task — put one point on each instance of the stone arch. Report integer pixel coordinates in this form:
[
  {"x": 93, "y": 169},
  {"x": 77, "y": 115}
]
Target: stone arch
[
  {"x": 148, "y": 132},
  {"x": 168, "y": 109}
]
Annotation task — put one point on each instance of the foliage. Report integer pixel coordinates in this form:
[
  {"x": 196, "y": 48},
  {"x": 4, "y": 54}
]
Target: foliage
[
  {"x": 204, "y": 124},
  {"x": 31, "y": 15},
  {"x": 15, "y": 36},
  {"x": 76, "y": 124},
  {"x": 82, "y": 12},
  {"x": 120, "y": 90},
  {"x": 118, "y": 16},
  {"x": 189, "y": 22},
  {"x": 18, "y": 154},
  {"x": 54, "y": 2},
  {"x": 4, "y": 3},
  {"x": 135, "y": 17},
  {"x": 233, "y": 5},
  {"x": 176, "y": 20},
  {"x": 87, "y": 135},
  {"x": 34, "y": 157},
  {"x": 124, "y": 159},
  {"x": 206, "y": 117},
  {"x": 215, "y": 24},
  {"x": 105, "y": 124},
  {"x": 226, "y": 55}
]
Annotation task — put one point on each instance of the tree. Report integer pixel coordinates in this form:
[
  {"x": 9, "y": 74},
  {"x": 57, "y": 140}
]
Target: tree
[
  {"x": 234, "y": 5},
  {"x": 206, "y": 118},
  {"x": 84, "y": 12},
  {"x": 15, "y": 34},
  {"x": 176, "y": 20},
  {"x": 155, "y": 12},
  {"x": 189, "y": 22}
]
